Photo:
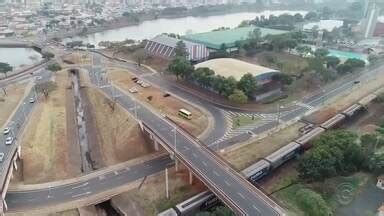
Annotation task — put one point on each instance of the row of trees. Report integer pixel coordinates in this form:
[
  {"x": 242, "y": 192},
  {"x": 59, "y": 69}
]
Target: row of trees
[
  {"x": 342, "y": 152},
  {"x": 236, "y": 91},
  {"x": 328, "y": 67}
]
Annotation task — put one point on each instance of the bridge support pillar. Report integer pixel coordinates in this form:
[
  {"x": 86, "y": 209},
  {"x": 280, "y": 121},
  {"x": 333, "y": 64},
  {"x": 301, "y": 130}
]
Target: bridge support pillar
[
  {"x": 14, "y": 164},
  {"x": 19, "y": 152},
  {"x": 5, "y": 206},
  {"x": 190, "y": 177},
  {"x": 156, "y": 145}
]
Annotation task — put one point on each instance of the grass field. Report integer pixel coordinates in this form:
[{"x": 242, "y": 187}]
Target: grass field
[
  {"x": 240, "y": 121},
  {"x": 248, "y": 154},
  {"x": 165, "y": 105},
  {"x": 9, "y": 102}
]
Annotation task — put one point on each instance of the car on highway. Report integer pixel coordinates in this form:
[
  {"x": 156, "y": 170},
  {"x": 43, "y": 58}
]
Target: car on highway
[
  {"x": 39, "y": 78},
  {"x": 9, "y": 141},
  {"x": 356, "y": 82},
  {"x": 6, "y": 130},
  {"x": 1, "y": 156},
  {"x": 31, "y": 100}
]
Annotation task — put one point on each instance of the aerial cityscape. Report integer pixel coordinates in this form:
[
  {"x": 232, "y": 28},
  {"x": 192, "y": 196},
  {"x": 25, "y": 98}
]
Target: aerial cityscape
[{"x": 192, "y": 107}]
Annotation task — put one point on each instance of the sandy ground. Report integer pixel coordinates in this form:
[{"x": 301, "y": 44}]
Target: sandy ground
[
  {"x": 10, "y": 101},
  {"x": 248, "y": 154},
  {"x": 46, "y": 153},
  {"x": 169, "y": 105}
]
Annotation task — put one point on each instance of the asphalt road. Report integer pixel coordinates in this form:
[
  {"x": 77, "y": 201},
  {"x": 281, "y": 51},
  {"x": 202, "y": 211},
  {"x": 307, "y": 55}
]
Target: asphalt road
[
  {"x": 219, "y": 177},
  {"x": 21, "y": 200},
  {"x": 17, "y": 121}
]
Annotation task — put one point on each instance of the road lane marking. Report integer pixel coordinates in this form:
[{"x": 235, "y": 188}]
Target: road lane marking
[
  {"x": 241, "y": 195},
  {"x": 81, "y": 194},
  {"x": 82, "y": 185},
  {"x": 194, "y": 155},
  {"x": 227, "y": 183},
  {"x": 217, "y": 174},
  {"x": 205, "y": 163}
]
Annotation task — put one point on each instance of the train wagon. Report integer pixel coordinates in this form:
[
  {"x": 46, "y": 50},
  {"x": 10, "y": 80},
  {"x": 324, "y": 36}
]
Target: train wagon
[{"x": 283, "y": 154}]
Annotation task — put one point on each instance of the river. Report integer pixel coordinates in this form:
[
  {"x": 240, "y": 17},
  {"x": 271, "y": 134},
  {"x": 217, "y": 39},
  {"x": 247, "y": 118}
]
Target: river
[
  {"x": 19, "y": 57},
  {"x": 184, "y": 25}
]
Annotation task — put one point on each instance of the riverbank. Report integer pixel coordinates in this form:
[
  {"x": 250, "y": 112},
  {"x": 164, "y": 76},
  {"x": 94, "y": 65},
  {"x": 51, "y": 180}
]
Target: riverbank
[{"x": 138, "y": 19}]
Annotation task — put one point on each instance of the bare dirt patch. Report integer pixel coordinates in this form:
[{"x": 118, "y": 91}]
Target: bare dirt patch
[
  {"x": 9, "y": 102},
  {"x": 166, "y": 105},
  {"x": 248, "y": 154},
  {"x": 77, "y": 58},
  {"x": 46, "y": 150},
  {"x": 151, "y": 197}
]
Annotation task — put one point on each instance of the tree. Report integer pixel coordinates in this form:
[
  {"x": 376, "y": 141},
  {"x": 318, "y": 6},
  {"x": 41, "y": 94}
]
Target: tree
[
  {"x": 344, "y": 68},
  {"x": 229, "y": 85},
  {"x": 54, "y": 67},
  {"x": 355, "y": 63},
  {"x": 140, "y": 56},
  {"x": 332, "y": 61},
  {"x": 254, "y": 37},
  {"x": 238, "y": 97},
  {"x": 48, "y": 55},
  {"x": 5, "y": 68},
  {"x": 312, "y": 203},
  {"x": 334, "y": 153},
  {"x": 376, "y": 163},
  {"x": 304, "y": 50},
  {"x": 247, "y": 84},
  {"x": 321, "y": 53},
  {"x": 204, "y": 77},
  {"x": 180, "y": 67},
  {"x": 298, "y": 17},
  {"x": 181, "y": 49},
  {"x": 45, "y": 87},
  {"x": 284, "y": 79},
  {"x": 310, "y": 16},
  {"x": 317, "y": 65}
]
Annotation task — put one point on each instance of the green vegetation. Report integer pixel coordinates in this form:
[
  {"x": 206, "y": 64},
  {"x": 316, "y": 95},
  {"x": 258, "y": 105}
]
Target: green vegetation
[
  {"x": 54, "y": 67},
  {"x": 235, "y": 91},
  {"x": 48, "y": 55},
  {"x": 238, "y": 97},
  {"x": 312, "y": 203},
  {"x": 240, "y": 121},
  {"x": 334, "y": 153},
  {"x": 5, "y": 68},
  {"x": 218, "y": 211}
]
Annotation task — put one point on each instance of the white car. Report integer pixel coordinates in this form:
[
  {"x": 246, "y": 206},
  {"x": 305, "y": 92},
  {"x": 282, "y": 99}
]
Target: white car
[
  {"x": 9, "y": 141},
  {"x": 1, "y": 156},
  {"x": 145, "y": 85},
  {"x": 133, "y": 90},
  {"x": 39, "y": 77},
  {"x": 31, "y": 100},
  {"x": 6, "y": 130}
]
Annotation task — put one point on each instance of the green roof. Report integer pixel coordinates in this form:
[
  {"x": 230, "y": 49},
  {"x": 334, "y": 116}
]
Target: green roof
[{"x": 215, "y": 39}]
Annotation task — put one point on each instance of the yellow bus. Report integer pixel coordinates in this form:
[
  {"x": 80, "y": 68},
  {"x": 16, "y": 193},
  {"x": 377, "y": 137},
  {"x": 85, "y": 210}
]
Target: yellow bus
[{"x": 185, "y": 113}]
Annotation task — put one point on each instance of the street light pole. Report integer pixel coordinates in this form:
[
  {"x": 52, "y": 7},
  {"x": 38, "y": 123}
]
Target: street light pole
[{"x": 175, "y": 149}]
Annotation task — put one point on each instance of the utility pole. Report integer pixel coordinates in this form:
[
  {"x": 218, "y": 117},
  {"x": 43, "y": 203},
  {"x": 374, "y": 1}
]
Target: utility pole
[
  {"x": 166, "y": 183},
  {"x": 175, "y": 148}
]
